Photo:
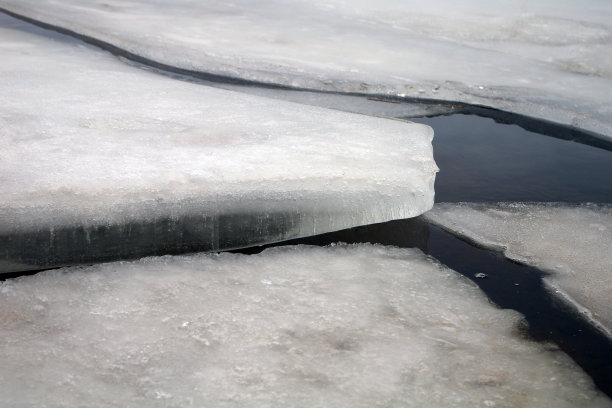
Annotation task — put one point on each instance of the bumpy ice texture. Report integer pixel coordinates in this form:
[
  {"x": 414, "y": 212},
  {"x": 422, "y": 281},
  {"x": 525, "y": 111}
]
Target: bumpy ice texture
[
  {"x": 572, "y": 242},
  {"x": 343, "y": 326},
  {"x": 95, "y": 152},
  {"x": 548, "y": 59}
]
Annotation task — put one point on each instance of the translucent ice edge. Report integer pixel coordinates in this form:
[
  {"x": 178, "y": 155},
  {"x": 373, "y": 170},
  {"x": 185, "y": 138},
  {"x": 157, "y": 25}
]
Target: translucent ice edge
[
  {"x": 546, "y": 60},
  {"x": 571, "y": 242},
  {"x": 97, "y": 157},
  {"x": 339, "y": 326}
]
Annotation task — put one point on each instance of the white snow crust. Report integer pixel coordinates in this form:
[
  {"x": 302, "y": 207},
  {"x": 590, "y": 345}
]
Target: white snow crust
[
  {"x": 340, "y": 326},
  {"x": 550, "y": 59},
  {"x": 86, "y": 140},
  {"x": 572, "y": 242}
]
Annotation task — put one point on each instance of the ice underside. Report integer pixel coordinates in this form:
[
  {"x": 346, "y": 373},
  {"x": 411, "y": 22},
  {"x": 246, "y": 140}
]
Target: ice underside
[
  {"x": 101, "y": 160},
  {"x": 354, "y": 326},
  {"x": 572, "y": 242},
  {"x": 548, "y": 59}
]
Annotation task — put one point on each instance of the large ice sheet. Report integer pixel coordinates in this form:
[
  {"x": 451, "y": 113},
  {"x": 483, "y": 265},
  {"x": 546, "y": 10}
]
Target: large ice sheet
[
  {"x": 343, "y": 326},
  {"x": 549, "y": 59},
  {"x": 96, "y": 155},
  {"x": 572, "y": 242}
]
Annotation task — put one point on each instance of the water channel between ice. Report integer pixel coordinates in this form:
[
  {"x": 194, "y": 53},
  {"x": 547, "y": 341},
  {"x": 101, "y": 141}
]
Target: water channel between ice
[
  {"x": 484, "y": 160},
  {"x": 484, "y": 156}
]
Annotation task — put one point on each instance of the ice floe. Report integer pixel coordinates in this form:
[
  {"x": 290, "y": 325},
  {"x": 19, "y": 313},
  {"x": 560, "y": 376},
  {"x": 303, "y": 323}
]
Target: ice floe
[
  {"x": 572, "y": 242},
  {"x": 95, "y": 154},
  {"x": 548, "y": 59},
  {"x": 339, "y": 326}
]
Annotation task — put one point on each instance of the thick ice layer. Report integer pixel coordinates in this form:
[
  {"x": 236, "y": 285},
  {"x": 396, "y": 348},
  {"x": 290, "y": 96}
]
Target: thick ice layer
[
  {"x": 99, "y": 160},
  {"x": 353, "y": 326},
  {"x": 572, "y": 242},
  {"x": 548, "y": 59}
]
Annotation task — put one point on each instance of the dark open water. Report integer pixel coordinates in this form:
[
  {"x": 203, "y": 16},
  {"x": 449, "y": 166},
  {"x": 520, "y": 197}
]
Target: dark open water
[{"x": 482, "y": 160}]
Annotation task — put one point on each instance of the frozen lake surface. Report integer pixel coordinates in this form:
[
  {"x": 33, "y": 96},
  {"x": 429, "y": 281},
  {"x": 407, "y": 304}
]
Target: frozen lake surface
[
  {"x": 293, "y": 326},
  {"x": 168, "y": 118},
  {"x": 94, "y": 149},
  {"x": 549, "y": 59}
]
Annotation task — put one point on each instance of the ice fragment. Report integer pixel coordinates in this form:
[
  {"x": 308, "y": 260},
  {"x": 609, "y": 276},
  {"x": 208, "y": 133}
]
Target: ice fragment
[
  {"x": 558, "y": 238},
  {"x": 337, "y": 330},
  {"x": 100, "y": 160},
  {"x": 547, "y": 59}
]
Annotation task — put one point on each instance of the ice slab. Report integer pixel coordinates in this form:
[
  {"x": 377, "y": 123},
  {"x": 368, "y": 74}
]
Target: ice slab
[
  {"x": 100, "y": 160},
  {"x": 548, "y": 59},
  {"x": 340, "y": 326},
  {"x": 573, "y": 243}
]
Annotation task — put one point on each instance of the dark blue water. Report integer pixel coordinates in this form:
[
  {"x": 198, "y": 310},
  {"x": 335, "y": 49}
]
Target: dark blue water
[{"x": 481, "y": 160}]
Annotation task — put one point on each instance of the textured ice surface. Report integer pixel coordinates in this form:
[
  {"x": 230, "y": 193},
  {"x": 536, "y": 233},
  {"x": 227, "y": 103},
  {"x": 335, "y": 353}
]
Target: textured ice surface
[
  {"x": 574, "y": 243},
  {"x": 93, "y": 151},
  {"x": 549, "y": 59},
  {"x": 352, "y": 326},
  {"x": 366, "y": 105}
]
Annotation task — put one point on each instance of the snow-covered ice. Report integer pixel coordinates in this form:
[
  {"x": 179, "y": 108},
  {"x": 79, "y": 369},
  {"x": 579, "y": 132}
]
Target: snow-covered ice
[
  {"x": 572, "y": 242},
  {"x": 549, "y": 59},
  {"x": 350, "y": 326},
  {"x": 92, "y": 149}
]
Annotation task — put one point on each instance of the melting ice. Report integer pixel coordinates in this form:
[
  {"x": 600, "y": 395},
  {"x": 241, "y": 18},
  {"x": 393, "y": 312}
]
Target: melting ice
[
  {"x": 548, "y": 59},
  {"x": 351, "y": 326},
  {"x": 100, "y": 160},
  {"x": 570, "y": 241}
]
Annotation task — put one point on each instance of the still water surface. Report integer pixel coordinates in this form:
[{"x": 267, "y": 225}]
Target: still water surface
[{"x": 481, "y": 160}]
